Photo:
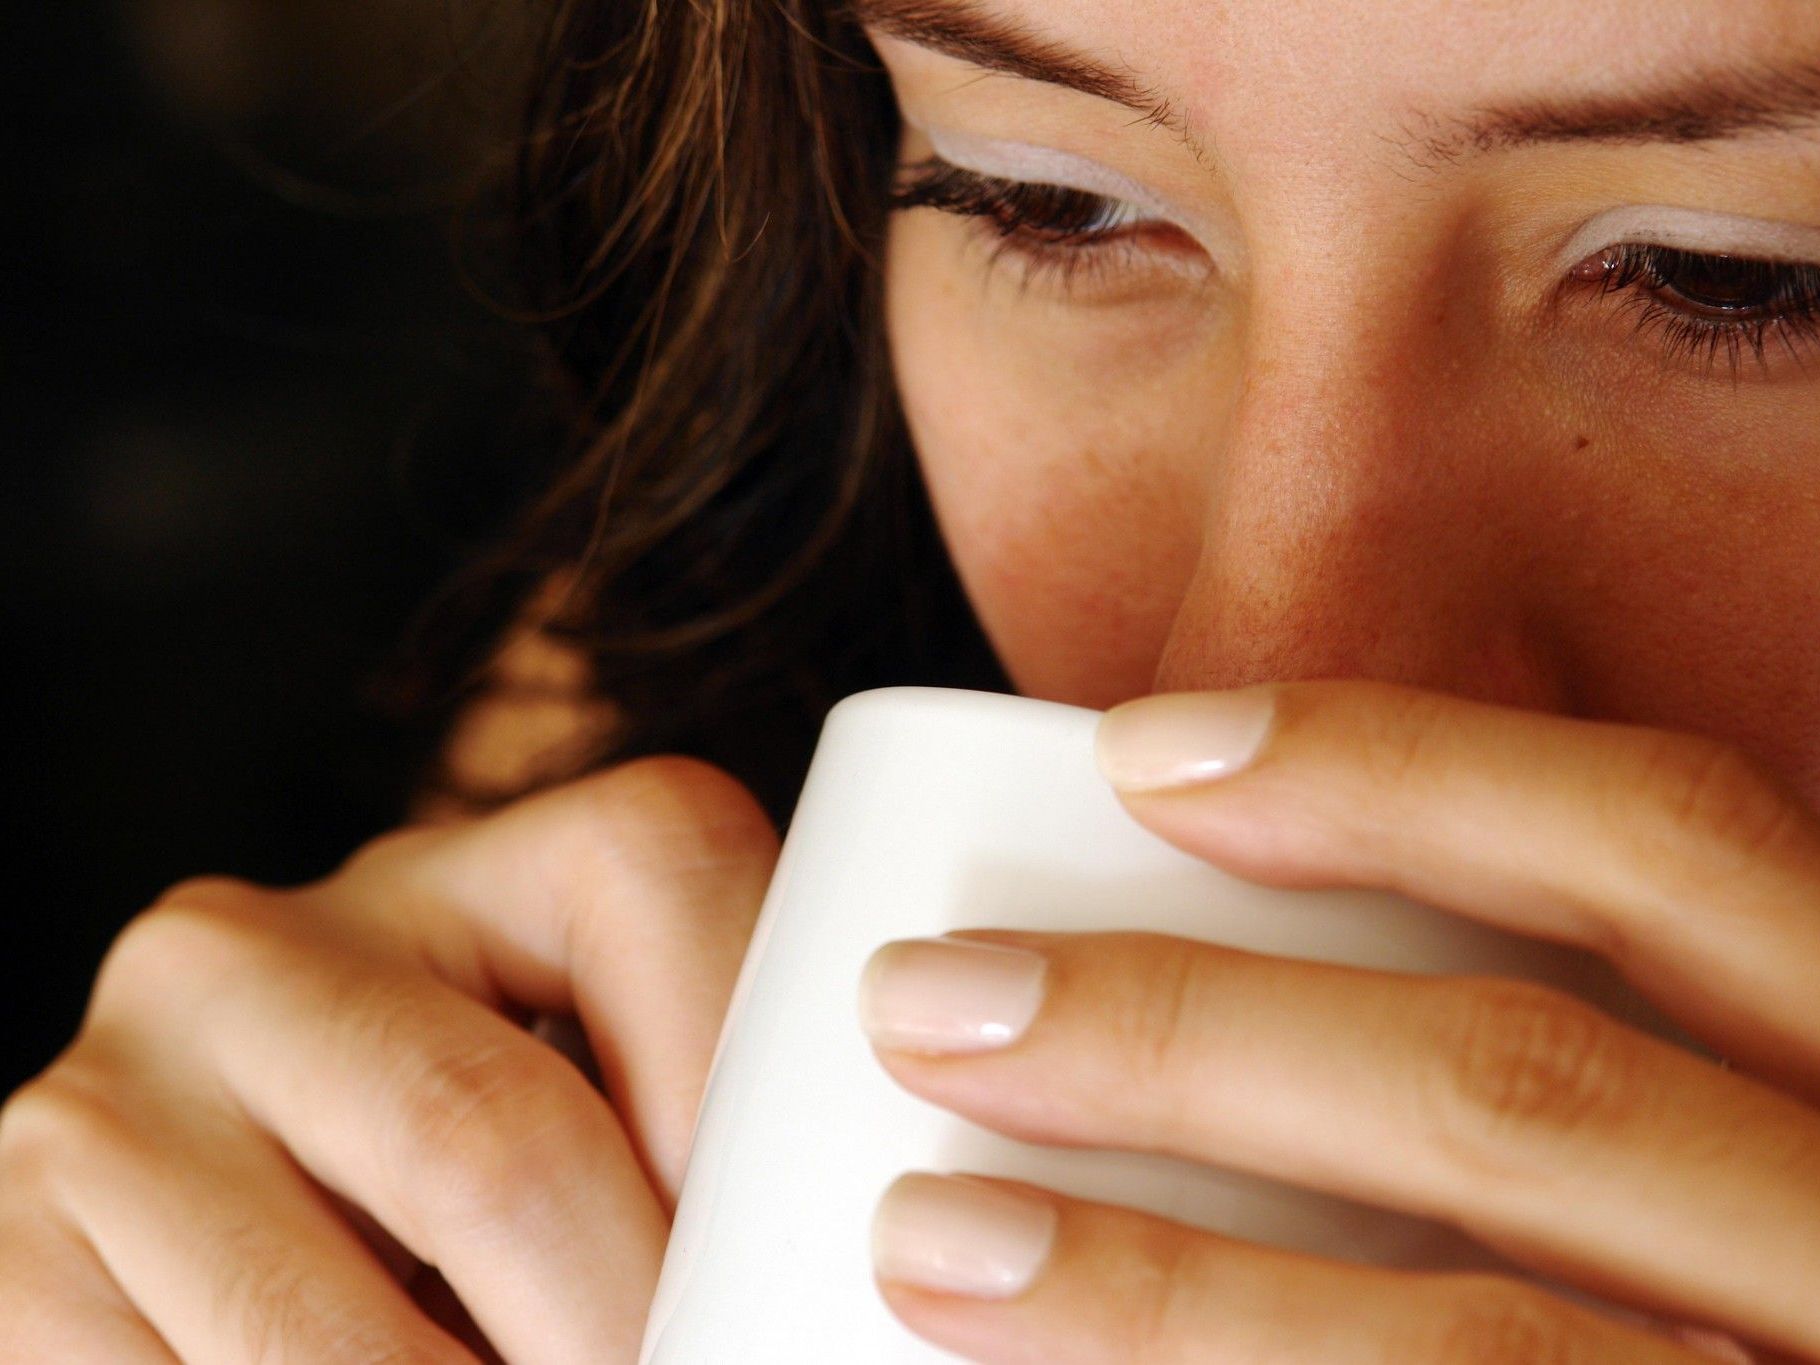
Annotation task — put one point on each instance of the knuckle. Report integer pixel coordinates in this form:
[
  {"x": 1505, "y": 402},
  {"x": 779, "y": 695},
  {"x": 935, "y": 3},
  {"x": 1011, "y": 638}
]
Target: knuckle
[
  {"x": 1715, "y": 795},
  {"x": 1494, "y": 1322},
  {"x": 386, "y": 855},
  {"x": 153, "y": 943},
  {"x": 278, "y": 1310},
  {"x": 60, "y": 1120},
  {"x": 1159, "y": 1023},
  {"x": 206, "y": 892},
  {"x": 666, "y": 830},
  {"x": 49, "y": 1309},
  {"x": 671, "y": 807},
  {"x": 1402, "y": 735},
  {"x": 27, "y": 1117},
  {"x": 194, "y": 933},
  {"x": 1169, "y": 1304},
  {"x": 1521, "y": 1063},
  {"x": 487, "y": 1137},
  {"x": 259, "y": 1301}
]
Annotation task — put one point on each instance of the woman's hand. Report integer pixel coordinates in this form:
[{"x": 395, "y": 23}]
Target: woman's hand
[
  {"x": 1598, "y": 1156},
  {"x": 284, "y": 1108}
]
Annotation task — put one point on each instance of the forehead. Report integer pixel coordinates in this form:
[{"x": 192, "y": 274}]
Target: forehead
[{"x": 1333, "y": 63}]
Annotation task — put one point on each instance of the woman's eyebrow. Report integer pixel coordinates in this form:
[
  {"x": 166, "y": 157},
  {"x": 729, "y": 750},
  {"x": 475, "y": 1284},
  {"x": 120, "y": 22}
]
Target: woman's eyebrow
[
  {"x": 957, "y": 28},
  {"x": 1701, "y": 106},
  {"x": 1698, "y": 107}
]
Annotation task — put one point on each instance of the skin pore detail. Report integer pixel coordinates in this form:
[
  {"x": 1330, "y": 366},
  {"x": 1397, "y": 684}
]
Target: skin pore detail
[{"x": 1388, "y": 430}]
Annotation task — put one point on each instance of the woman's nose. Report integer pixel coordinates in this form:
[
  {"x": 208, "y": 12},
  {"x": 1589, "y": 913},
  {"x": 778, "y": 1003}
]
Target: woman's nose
[{"x": 1361, "y": 520}]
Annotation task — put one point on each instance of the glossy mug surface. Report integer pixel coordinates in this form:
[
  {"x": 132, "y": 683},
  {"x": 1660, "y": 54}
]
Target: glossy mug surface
[{"x": 931, "y": 809}]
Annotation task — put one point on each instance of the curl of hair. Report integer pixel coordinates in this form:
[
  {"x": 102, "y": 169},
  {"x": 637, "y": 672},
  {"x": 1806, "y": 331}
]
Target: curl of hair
[{"x": 739, "y": 526}]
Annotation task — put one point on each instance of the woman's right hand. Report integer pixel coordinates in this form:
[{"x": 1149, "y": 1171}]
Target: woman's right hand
[{"x": 312, "y": 1124}]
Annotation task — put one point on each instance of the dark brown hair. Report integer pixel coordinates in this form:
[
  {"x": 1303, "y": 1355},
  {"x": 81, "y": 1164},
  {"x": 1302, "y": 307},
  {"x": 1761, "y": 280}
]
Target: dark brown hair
[{"x": 740, "y": 523}]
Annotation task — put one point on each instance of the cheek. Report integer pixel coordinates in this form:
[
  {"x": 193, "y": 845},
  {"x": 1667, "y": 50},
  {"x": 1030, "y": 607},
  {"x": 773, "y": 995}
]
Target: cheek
[
  {"x": 1106, "y": 498},
  {"x": 1695, "y": 575},
  {"x": 1061, "y": 467}
]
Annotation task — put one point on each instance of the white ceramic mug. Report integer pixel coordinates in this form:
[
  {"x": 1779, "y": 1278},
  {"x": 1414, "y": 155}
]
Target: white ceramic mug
[{"x": 931, "y": 809}]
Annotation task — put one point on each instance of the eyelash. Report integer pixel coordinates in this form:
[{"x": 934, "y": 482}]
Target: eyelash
[
  {"x": 1057, "y": 234},
  {"x": 1786, "y": 308},
  {"x": 1061, "y": 234}
]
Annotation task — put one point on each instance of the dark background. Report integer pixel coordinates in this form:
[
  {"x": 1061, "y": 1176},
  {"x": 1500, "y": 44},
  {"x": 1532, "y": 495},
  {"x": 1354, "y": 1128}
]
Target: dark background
[{"x": 256, "y": 415}]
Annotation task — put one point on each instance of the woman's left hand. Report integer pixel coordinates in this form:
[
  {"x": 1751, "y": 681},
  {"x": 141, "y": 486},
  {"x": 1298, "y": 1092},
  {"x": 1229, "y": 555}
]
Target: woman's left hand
[{"x": 1597, "y": 1155}]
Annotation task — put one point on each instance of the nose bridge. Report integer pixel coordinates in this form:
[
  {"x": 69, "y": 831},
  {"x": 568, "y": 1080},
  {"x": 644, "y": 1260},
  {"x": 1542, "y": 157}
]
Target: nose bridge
[{"x": 1357, "y": 526}]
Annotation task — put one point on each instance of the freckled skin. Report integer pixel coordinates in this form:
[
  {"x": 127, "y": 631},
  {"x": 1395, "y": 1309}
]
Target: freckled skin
[{"x": 1371, "y": 449}]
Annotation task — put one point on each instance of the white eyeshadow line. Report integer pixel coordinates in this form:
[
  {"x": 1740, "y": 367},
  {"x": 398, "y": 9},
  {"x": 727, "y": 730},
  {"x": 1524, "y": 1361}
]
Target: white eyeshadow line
[
  {"x": 1047, "y": 166},
  {"x": 1654, "y": 224},
  {"x": 1692, "y": 230}
]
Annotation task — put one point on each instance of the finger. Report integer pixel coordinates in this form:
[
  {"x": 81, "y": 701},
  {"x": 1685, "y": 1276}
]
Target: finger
[
  {"x": 473, "y": 1144},
  {"x": 1696, "y": 872},
  {"x": 1560, "y": 1137},
  {"x": 627, "y": 899},
  {"x": 227, "y": 1252},
  {"x": 424, "y": 1283},
  {"x": 58, "y": 1302},
  {"x": 1002, "y": 1273}
]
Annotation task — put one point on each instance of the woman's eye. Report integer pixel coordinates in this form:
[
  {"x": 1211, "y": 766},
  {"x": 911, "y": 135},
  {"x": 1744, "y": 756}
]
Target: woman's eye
[
  {"x": 1057, "y": 233},
  {"x": 1722, "y": 284},
  {"x": 1710, "y": 306},
  {"x": 1704, "y": 306},
  {"x": 1050, "y": 213}
]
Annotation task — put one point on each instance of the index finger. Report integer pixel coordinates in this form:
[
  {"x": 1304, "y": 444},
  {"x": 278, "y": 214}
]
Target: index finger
[
  {"x": 1694, "y": 870},
  {"x": 626, "y": 898}
]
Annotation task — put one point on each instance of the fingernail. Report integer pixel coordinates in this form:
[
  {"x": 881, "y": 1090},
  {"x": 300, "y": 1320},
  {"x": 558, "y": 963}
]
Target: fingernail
[
  {"x": 960, "y": 1236},
  {"x": 949, "y": 995},
  {"x": 1176, "y": 738}
]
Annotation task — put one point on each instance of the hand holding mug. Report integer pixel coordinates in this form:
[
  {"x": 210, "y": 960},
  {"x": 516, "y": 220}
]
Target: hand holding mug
[
  {"x": 317, "y": 1124},
  {"x": 1571, "y": 1142}
]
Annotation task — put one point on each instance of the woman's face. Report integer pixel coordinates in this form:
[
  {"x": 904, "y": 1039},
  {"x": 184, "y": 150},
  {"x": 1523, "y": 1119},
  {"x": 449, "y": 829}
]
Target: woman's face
[{"x": 1473, "y": 346}]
